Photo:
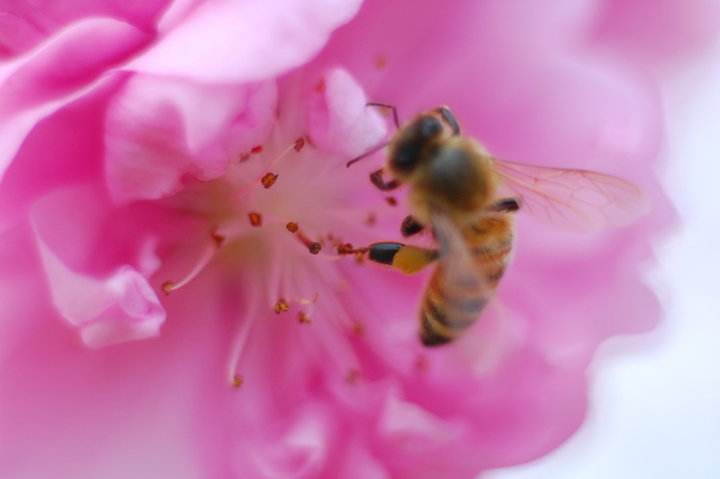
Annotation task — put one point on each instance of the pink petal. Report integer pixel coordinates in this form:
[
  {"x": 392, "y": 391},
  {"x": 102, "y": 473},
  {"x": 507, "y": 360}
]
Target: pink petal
[
  {"x": 125, "y": 411},
  {"x": 658, "y": 31},
  {"x": 160, "y": 129},
  {"x": 106, "y": 307},
  {"x": 66, "y": 67},
  {"x": 245, "y": 41},
  {"x": 339, "y": 120},
  {"x": 24, "y": 24}
]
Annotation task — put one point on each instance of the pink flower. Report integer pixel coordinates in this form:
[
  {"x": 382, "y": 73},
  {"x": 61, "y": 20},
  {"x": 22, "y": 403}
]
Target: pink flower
[{"x": 198, "y": 149}]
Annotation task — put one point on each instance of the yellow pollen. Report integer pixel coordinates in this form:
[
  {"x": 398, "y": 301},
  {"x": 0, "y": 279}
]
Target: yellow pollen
[
  {"x": 268, "y": 180},
  {"x": 303, "y": 318},
  {"x": 281, "y": 306},
  {"x": 237, "y": 381}
]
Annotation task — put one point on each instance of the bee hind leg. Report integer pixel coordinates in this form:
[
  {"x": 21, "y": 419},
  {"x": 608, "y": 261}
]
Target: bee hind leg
[{"x": 407, "y": 258}]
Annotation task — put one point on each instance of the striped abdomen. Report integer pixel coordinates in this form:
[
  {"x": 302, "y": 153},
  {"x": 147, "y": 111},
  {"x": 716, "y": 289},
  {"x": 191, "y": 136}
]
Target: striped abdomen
[{"x": 447, "y": 310}]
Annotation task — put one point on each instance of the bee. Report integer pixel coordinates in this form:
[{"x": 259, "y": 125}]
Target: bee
[{"x": 468, "y": 199}]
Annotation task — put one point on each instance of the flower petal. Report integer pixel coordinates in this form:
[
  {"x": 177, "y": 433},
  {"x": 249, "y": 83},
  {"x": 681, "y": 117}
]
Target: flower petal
[
  {"x": 66, "y": 67},
  {"x": 225, "y": 41},
  {"x": 340, "y": 121},
  {"x": 106, "y": 307},
  {"x": 160, "y": 129}
]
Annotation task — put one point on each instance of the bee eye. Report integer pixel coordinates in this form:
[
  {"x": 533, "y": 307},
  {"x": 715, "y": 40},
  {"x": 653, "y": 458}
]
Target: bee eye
[{"x": 429, "y": 127}]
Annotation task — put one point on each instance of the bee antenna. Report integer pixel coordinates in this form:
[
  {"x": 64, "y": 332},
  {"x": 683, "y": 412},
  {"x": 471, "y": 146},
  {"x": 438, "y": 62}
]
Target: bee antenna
[{"x": 372, "y": 150}]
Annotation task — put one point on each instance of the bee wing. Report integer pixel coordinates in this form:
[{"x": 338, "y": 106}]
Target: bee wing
[
  {"x": 578, "y": 199},
  {"x": 459, "y": 272}
]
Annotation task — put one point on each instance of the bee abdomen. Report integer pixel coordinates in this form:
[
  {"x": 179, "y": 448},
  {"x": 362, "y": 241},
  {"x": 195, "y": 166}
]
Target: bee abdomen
[{"x": 442, "y": 319}]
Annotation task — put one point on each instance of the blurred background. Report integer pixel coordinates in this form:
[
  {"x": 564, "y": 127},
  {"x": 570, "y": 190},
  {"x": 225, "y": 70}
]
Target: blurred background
[{"x": 655, "y": 403}]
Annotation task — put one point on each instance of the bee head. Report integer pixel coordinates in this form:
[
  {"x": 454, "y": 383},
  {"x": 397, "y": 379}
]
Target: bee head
[{"x": 414, "y": 143}]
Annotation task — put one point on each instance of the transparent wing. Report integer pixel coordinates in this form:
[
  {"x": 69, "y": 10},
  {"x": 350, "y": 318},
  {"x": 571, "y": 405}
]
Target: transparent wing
[
  {"x": 460, "y": 276},
  {"x": 578, "y": 199}
]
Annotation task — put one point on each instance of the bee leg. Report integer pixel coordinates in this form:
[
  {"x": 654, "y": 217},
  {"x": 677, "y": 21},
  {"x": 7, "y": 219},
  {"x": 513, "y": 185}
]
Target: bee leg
[
  {"x": 408, "y": 259},
  {"x": 410, "y": 226},
  {"x": 376, "y": 178},
  {"x": 396, "y": 119},
  {"x": 505, "y": 205}
]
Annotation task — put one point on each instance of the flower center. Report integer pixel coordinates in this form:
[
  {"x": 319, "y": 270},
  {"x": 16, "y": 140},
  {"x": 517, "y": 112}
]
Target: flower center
[{"x": 296, "y": 202}]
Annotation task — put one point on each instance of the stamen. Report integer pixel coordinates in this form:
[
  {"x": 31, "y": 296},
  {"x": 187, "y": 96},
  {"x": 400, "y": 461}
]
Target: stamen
[
  {"x": 216, "y": 241},
  {"x": 391, "y": 200},
  {"x": 303, "y": 318},
  {"x": 313, "y": 246},
  {"x": 255, "y": 219},
  {"x": 292, "y": 227},
  {"x": 253, "y": 151},
  {"x": 268, "y": 179},
  {"x": 281, "y": 306},
  {"x": 238, "y": 347}
]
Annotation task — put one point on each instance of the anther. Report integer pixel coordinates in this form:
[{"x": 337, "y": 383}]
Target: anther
[
  {"x": 313, "y": 246},
  {"x": 281, "y": 306},
  {"x": 237, "y": 381},
  {"x": 391, "y": 200},
  {"x": 292, "y": 227},
  {"x": 268, "y": 179},
  {"x": 299, "y": 144},
  {"x": 255, "y": 219},
  {"x": 256, "y": 149},
  {"x": 303, "y": 318}
]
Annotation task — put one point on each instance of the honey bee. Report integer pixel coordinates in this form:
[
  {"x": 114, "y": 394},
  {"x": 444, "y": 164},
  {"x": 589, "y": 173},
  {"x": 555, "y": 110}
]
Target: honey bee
[{"x": 467, "y": 198}]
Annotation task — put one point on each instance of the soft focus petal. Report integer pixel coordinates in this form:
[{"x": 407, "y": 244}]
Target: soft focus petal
[
  {"x": 23, "y": 23},
  {"x": 66, "y": 67},
  {"x": 340, "y": 121},
  {"x": 245, "y": 41},
  {"x": 158, "y": 130},
  {"x": 126, "y": 411},
  {"x": 106, "y": 308},
  {"x": 658, "y": 31}
]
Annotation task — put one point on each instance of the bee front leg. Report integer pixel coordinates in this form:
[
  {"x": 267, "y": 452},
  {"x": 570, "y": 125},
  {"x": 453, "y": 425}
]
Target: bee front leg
[
  {"x": 376, "y": 177},
  {"x": 410, "y": 226},
  {"x": 407, "y": 258}
]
